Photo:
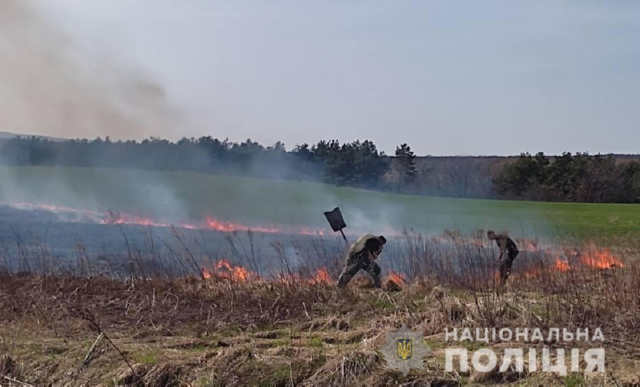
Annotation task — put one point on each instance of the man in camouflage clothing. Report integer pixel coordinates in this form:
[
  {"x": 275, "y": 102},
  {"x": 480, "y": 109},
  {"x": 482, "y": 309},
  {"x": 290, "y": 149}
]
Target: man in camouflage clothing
[
  {"x": 507, "y": 245},
  {"x": 361, "y": 256}
]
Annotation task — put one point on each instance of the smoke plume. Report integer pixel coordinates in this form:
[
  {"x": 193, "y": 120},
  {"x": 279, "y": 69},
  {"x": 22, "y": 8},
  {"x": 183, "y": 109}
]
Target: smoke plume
[{"x": 50, "y": 86}]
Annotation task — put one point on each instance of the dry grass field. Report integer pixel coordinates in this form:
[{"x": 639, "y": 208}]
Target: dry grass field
[{"x": 231, "y": 327}]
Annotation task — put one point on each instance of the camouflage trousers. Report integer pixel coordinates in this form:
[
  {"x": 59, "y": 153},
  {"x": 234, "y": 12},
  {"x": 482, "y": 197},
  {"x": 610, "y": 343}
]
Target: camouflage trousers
[
  {"x": 506, "y": 264},
  {"x": 356, "y": 263}
]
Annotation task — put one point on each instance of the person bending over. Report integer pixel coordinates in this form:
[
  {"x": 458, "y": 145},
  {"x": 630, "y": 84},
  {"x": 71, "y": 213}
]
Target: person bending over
[{"x": 362, "y": 256}]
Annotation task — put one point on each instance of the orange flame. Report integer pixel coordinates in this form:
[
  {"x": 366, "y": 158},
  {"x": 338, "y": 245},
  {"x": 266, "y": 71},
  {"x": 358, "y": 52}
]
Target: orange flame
[
  {"x": 117, "y": 217},
  {"x": 218, "y": 225},
  {"x": 561, "y": 265},
  {"x": 321, "y": 276},
  {"x": 600, "y": 259},
  {"x": 592, "y": 257},
  {"x": 398, "y": 278},
  {"x": 224, "y": 269}
]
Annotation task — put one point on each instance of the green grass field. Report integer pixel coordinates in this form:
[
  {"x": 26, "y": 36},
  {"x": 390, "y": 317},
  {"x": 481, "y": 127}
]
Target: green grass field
[{"x": 189, "y": 195}]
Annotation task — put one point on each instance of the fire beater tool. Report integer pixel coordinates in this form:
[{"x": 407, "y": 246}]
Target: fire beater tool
[{"x": 336, "y": 221}]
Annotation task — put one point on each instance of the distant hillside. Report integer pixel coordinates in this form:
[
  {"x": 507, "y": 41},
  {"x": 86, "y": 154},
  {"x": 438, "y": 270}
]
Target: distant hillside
[{"x": 578, "y": 177}]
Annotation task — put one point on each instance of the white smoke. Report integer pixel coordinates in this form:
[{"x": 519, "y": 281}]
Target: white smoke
[{"x": 50, "y": 86}]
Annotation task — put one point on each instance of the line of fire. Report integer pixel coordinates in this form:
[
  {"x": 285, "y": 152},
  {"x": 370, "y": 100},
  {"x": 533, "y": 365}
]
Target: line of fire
[{"x": 282, "y": 248}]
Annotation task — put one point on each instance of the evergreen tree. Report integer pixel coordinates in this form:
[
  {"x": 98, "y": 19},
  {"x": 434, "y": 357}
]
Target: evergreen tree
[{"x": 407, "y": 163}]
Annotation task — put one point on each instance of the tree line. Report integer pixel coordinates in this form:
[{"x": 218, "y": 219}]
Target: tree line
[
  {"x": 357, "y": 163},
  {"x": 570, "y": 177}
]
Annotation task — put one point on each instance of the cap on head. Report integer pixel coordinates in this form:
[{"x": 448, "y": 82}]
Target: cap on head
[{"x": 491, "y": 234}]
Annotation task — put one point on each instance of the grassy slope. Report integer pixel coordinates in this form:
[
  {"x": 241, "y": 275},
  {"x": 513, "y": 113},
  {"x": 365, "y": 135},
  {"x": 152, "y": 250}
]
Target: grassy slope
[{"x": 181, "y": 195}]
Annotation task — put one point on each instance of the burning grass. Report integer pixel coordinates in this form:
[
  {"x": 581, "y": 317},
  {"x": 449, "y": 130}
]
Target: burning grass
[
  {"x": 228, "y": 324},
  {"x": 237, "y": 328},
  {"x": 223, "y": 269},
  {"x": 226, "y": 271},
  {"x": 111, "y": 217}
]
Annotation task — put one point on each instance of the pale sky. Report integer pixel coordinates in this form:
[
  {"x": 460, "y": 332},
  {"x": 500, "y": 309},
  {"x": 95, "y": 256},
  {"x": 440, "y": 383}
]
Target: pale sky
[{"x": 448, "y": 77}]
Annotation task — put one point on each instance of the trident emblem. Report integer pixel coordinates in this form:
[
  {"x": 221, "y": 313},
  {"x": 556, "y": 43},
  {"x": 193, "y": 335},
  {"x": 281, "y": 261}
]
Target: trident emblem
[{"x": 404, "y": 348}]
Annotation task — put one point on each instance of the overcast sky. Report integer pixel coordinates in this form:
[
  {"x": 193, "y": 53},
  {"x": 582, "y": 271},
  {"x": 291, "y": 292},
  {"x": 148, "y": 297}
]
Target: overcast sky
[{"x": 448, "y": 77}]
